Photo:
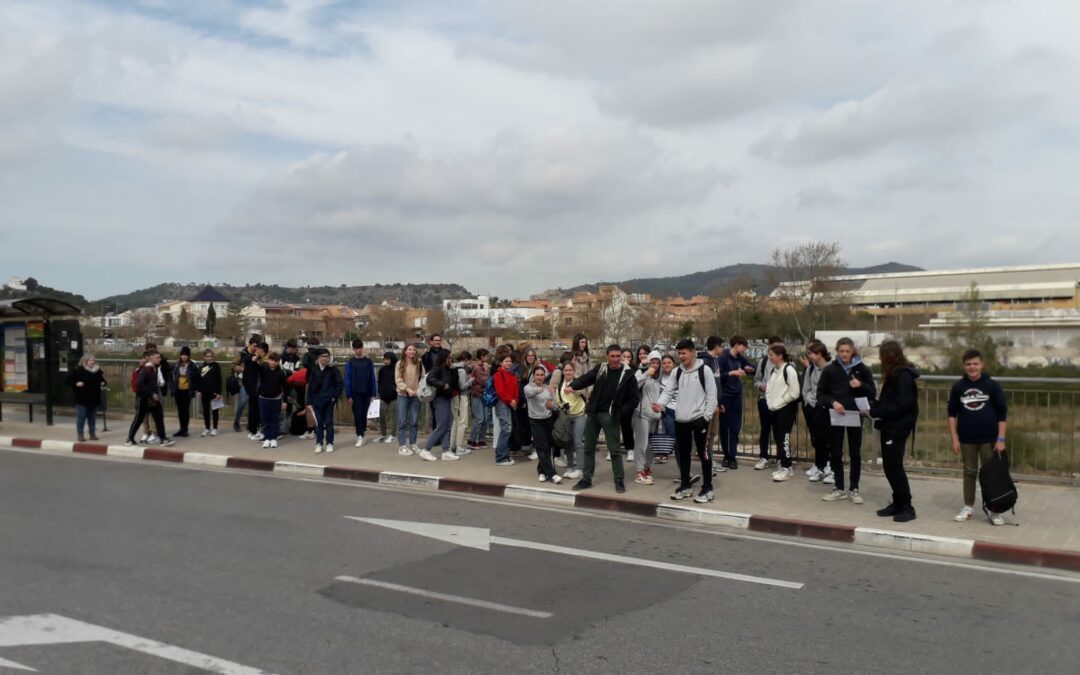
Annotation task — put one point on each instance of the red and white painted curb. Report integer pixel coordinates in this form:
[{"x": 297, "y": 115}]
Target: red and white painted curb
[{"x": 863, "y": 536}]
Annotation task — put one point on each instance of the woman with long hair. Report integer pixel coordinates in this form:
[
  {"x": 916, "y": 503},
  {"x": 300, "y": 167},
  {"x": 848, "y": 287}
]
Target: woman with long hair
[
  {"x": 895, "y": 412},
  {"x": 540, "y": 403},
  {"x": 842, "y": 381},
  {"x": 407, "y": 379},
  {"x": 86, "y": 381},
  {"x": 522, "y": 424},
  {"x": 816, "y": 415},
  {"x": 446, "y": 384},
  {"x": 579, "y": 348},
  {"x": 573, "y": 406},
  {"x": 782, "y": 398},
  {"x": 507, "y": 390}
]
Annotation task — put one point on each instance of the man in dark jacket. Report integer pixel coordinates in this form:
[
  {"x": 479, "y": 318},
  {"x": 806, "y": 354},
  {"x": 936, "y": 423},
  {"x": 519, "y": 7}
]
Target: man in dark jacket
[
  {"x": 324, "y": 385},
  {"x": 435, "y": 347},
  {"x": 733, "y": 367},
  {"x": 148, "y": 399},
  {"x": 253, "y": 360},
  {"x": 615, "y": 394},
  {"x": 360, "y": 387}
]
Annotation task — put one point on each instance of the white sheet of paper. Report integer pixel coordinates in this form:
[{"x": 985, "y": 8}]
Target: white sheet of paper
[
  {"x": 373, "y": 409},
  {"x": 848, "y": 418},
  {"x": 863, "y": 404},
  {"x": 217, "y": 404}
]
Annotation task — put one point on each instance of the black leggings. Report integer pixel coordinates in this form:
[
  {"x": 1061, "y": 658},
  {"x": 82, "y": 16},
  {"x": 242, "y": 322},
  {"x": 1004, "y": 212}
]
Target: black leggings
[
  {"x": 817, "y": 427},
  {"x": 541, "y": 437},
  {"x": 892, "y": 459},
  {"x": 253, "y": 412},
  {"x": 207, "y": 413},
  {"x": 183, "y": 410},
  {"x": 626, "y": 424},
  {"x": 836, "y": 446},
  {"x": 782, "y": 422},
  {"x": 687, "y": 434}
]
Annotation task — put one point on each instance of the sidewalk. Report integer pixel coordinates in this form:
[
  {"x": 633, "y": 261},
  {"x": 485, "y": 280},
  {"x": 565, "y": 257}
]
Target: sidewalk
[{"x": 1049, "y": 516}]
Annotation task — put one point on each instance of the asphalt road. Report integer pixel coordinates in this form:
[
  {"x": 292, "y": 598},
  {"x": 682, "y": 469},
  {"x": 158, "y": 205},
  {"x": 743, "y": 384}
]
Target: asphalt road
[{"x": 247, "y": 568}]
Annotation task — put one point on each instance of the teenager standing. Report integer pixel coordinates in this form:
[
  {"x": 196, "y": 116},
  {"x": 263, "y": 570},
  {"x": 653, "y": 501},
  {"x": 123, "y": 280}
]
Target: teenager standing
[
  {"x": 148, "y": 383},
  {"x": 540, "y": 404},
  {"x": 481, "y": 413},
  {"x": 895, "y": 414},
  {"x": 445, "y": 383},
  {"x": 782, "y": 399},
  {"x": 506, "y": 389},
  {"x": 646, "y": 420},
  {"x": 360, "y": 387},
  {"x": 696, "y": 388},
  {"x": 459, "y": 403},
  {"x": 842, "y": 381},
  {"x": 733, "y": 368},
  {"x": 209, "y": 387},
  {"x": 272, "y": 383},
  {"x": 572, "y": 405},
  {"x": 407, "y": 379},
  {"x": 761, "y": 379},
  {"x": 324, "y": 387},
  {"x": 183, "y": 387},
  {"x": 388, "y": 398},
  {"x": 977, "y": 422},
  {"x": 815, "y": 413}
]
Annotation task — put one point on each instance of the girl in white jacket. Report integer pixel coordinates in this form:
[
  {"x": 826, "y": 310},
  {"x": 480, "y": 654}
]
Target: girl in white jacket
[{"x": 782, "y": 396}]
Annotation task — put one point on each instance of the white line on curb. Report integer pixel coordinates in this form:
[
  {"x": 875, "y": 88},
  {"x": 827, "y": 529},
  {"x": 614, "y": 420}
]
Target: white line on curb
[
  {"x": 445, "y": 597},
  {"x": 133, "y": 452},
  {"x": 410, "y": 479},
  {"x": 689, "y": 514},
  {"x": 917, "y": 543},
  {"x": 300, "y": 468},
  {"x": 542, "y": 495},
  {"x": 205, "y": 459},
  {"x": 57, "y": 446}
]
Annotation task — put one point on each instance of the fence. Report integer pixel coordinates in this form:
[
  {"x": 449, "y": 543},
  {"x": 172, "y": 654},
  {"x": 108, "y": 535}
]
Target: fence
[{"x": 1042, "y": 433}]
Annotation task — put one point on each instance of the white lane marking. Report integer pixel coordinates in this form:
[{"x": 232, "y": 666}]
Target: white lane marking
[
  {"x": 982, "y": 566},
  {"x": 479, "y": 537},
  {"x": 16, "y": 666},
  {"x": 50, "y": 629},
  {"x": 445, "y": 597}
]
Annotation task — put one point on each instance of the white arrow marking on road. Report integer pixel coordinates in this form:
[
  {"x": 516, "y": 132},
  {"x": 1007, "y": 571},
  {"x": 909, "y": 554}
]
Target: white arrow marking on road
[
  {"x": 50, "y": 629},
  {"x": 446, "y": 597},
  {"x": 17, "y": 666},
  {"x": 479, "y": 537}
]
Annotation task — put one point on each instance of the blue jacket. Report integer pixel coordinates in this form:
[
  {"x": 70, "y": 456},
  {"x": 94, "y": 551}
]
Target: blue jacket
[
  {"x": 360, "y": 378},
  {"x": 727, "y": 362},
  {"x": 323, "y": 386}
]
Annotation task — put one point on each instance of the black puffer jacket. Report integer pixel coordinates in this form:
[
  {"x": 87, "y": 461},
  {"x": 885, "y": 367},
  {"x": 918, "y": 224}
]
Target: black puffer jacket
[
  {"x": 89, "y": 394},
  {"x": 898, "y": 407},
  {"x": 835, "y": 385},
  {"x": 444, "y": 380},
  {"x": 627, "y": 396}
]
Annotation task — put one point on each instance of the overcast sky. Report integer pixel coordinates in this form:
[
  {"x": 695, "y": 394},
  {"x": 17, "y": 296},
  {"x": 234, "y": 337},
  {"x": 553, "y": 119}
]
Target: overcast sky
[{"x": 516, "y": 145}]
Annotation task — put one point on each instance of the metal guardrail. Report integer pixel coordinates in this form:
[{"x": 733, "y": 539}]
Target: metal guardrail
[{"x": 1044, "y": 423}]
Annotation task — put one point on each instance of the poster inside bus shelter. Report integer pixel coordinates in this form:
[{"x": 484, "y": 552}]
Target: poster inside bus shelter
[{"x": 16, "y": 375}]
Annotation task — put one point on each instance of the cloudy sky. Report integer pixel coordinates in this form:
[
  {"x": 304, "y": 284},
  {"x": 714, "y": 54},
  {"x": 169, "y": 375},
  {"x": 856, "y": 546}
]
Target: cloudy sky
[{"x": 514, "y": 145}]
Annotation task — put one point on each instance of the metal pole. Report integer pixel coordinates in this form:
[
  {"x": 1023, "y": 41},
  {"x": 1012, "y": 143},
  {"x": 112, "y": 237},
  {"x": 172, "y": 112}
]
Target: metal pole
[{"x": 48, "y": 373}]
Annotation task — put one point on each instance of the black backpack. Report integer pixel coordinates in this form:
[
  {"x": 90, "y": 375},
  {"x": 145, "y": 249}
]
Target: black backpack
[{"x": 998, "y": 490}]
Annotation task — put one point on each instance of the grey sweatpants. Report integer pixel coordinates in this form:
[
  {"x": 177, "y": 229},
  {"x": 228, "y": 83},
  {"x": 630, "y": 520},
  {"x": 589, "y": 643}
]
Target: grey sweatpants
[{"x": 643, "y": 455}]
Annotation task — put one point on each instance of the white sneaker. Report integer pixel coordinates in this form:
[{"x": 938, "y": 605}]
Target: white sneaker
[
  {"x": 461, "y": 452},
  {"x": 608, "y": 458},
  {"x": 783, "y": 475},
  {"x": 533, "y": 456},
  {"x": 205, "y": 433},
  {"x": 273, "y": 444},
  {"x": 997, "y": 519},
  {"x": 405, "y": 451},
  {"x": 965, "y": 514},
  {"x": 144, "y": 438},
  {"x": 556, "y": 479},
  {"x": 505, "y": 462},
  {"x": 266, "y": 445},
  {"x": 415, "y": 448},
  {"x": 152, "y": 438},
  {"x": 318, "y": 449},
  {"x": 856, "y": 498},
  {"x": 541, "y": 478},
  {"x": 427, "y": 456},
  {"x": 829, "y": 479},
  {"x": 629, "y": 455},
  {"x": 329, "y": 447},
  {"x": 359, "y": 441},
  {"x": 259, "y": 436},
  {"x": 308, "y": 435},
  {"x": 813, "y": 470},
  {"x": 213, "y": 432},
  {"x": 449, "y": 456},
  {"x": 814, "y": 474},
  {"x": 572, "y": 474},
  {"x": 560, "y": 462},
  {"x": 835, "y": 496},
  {"x": 761, "y": 465}
]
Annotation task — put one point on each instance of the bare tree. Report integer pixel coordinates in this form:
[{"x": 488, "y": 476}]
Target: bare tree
[
  {"x": 805, "y": 285},
  {"x": 619, "y": 319},
  {"x": 653, "y": 323},
  {"x": 389, "y": 324}
]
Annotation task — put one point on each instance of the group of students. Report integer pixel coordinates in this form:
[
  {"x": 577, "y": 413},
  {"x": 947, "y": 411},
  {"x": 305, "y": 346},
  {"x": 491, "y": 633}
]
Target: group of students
[{"x": 646, "y": 405}]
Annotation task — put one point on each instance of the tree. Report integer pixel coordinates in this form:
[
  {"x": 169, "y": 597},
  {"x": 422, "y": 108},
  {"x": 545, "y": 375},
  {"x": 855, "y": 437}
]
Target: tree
[
  {"x": 653, "y": 323},
  {"x": 619, "y": 318},
  {"x": 970, "y": 332},
  {"x": 435, "y": 322},
  {"x": 389, "y": 324},
  {"x": 684, "y": 331},
  {"x": 184, "y": 328},
  {"x": 229, "y": 326},
  {"x": 211, "y": 320},
  {"x": 31, "y": 284},
  {"x": 806, "y": 289}
]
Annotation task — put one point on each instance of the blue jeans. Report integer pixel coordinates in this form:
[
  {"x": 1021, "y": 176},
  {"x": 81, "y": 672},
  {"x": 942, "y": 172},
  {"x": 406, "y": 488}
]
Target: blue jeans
[
  {"x": 480, "y": 414},
  {"x": 408, "y": 414},
  {"x": 731, "y": 425},
  {"x": 360, "y": 406},
  {"x": 324, "y": 422},
  {"x": 444, "y": 418},
  {"x": 85, "y": 416},
  {"x": 502, "y": 445},
  {"x": 668, "y": 419},
  {"x": 241, "y": 404},
  {"x": 270, "y": 414}
]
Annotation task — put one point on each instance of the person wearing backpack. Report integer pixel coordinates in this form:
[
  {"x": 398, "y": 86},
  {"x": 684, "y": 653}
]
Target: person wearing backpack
[
  {"x": 977, "y": 421},
  {"x": 646, "y": 420},
  {"x": 148, "y": 385},
  {"x": 479, "y": 376},
  {"x": 761, "y": 378},
  {"x": 895, "y": 412},
  {"x": 782, "y": 398},
  {"x": 614, "y": 395},
  {"x": 542, "y": 407},
  {"x": 407, "y": 379},
  {"x": 360, "y": 387},
  {"x": 842, "y": 381},
  {"x": 324, "y": 387},
  {"x": 695, "y": 386},
  {"x": 388, "y": 398}
]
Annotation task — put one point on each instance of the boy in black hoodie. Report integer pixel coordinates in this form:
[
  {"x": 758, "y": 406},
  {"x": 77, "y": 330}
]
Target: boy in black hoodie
[
  {"x": 209, "y": 386},
  {"x": 387, "y": 395},
  {"x": 895, "y": 414},
  {"x": 148, "y": 400},
  {"x": 977, "y": 421}
]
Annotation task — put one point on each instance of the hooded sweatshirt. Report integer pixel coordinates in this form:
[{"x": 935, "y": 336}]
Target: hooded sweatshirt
[
  {"x": 898, "y": 407},
  {"x": 537, "y": 397},
  {"x": 783, "y": 388},
  {"x": 835, "y": 383},
  {"x": 651, "y": 388},
  {"x": 810, "y": 385},
  {"x": 978, "y": 406},
  {"x": 694, "y": 401}
]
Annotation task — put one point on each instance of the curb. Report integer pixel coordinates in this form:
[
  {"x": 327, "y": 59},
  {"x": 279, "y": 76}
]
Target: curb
[{"x": 864, "y": 536}]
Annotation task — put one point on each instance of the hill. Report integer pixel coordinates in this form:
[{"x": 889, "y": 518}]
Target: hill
[
  {"x": 417, "y": 295},
  {"x": 715, "y": 281},
  {"x": 44, "y": 291}
]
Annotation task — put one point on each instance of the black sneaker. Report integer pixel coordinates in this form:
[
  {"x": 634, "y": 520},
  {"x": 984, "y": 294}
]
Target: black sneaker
[
  {"x": 167, "y": 442},
  {"x": 583, "y": 484},
  {"x": 905, "y": 515},
  {"x": 888, "y": 511},
  {"x": 620, "y": 486},
  {"x": 236, "y": 428},
  {"x": 733, "y": 464},
  {"x": 695, "y": 478}
]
